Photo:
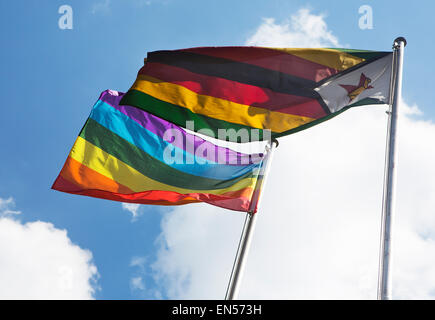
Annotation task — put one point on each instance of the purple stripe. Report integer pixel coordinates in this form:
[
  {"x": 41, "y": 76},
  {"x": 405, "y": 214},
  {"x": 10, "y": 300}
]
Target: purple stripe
[{"x": 158, "y": 126}]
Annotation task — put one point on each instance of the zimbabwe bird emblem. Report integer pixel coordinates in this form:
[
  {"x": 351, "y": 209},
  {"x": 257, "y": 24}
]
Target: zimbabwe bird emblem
[{"x": 355, "y": 91}]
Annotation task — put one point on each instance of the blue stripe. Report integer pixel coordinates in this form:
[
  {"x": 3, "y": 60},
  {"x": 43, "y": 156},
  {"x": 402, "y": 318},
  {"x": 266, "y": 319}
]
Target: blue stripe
[{"x": 131, "y": 131}]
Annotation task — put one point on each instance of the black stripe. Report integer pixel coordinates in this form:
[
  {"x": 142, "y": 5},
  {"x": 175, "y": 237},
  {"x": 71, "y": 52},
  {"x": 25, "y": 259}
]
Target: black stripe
[
  {"x": 236, "y": 71},
  {"x": 322, "y": 103}
]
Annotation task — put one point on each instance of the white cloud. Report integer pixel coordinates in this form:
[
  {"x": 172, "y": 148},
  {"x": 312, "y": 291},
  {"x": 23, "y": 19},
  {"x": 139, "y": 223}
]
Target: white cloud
[
  {"x": 317, "y": 232},
  {"x": 134, "y": 209},
  {"x": 39, "y": 261},
  {"x": 304, "y": 29},
  {"x": 6, "y": 205},
  {"x": 196, "y": 260},
  {"x": 137, "y": 281},
  {"x": 138, "y": 262},
  {"x": 140, "y": 273},
  {"x": 318, "y": 229}
]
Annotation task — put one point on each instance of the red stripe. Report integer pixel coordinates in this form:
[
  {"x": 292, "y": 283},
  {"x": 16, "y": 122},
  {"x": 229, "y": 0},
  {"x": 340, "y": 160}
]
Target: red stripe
[
  {"x": 269, "y": 59},
  {"x": 148, "y": 197},
  {"x": 233, "y": 200},
  {"x": 61, "y": 184},
  {"x": 235, "y": 91},
  {"x": 156, "y": 197}
]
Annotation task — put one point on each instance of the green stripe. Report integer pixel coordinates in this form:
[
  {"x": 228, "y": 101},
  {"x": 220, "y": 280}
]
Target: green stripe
[
  {"x": 179, "y": 115},
  {"x": 364, "y": 54},
  {"x": 363, "y": 102},
  {"x": 366, "y": 101},
  {"x": 128, "y": 153}
]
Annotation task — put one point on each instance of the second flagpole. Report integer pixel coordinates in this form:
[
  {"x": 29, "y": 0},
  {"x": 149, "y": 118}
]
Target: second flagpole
[
  {"x": 384, "y": 278},
  {"x": 247, "y": 232}
]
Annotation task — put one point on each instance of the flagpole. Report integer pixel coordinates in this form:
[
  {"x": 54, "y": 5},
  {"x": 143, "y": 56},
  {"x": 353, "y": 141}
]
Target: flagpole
[
  {"x": 384, "y": 276},
  {"x": 247, "y": 232}
]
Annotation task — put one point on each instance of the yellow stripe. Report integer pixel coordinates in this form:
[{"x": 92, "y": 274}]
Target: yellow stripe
[
  {"x": 113, "y": 168},
  {"x": 328, "y": 57},
  {"x": 218, "y": 108}
]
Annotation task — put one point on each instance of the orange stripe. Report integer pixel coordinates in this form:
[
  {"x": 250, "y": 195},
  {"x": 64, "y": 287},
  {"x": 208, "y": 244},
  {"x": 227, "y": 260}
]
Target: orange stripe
[
  {"x": 87, "y": 178},
  {"x": 242, "y": 193}
]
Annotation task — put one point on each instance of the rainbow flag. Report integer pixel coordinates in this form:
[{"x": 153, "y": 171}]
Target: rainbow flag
[
  {"x": 245, "y": 88},
  {"x": 126, "y": 154}
]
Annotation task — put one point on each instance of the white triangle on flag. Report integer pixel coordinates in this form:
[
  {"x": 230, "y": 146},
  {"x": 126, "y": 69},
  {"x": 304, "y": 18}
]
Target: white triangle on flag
[{"x": 369, "y": 81}]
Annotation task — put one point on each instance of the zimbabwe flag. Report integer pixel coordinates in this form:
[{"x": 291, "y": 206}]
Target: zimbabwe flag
[{"x": 217, "y": 90}]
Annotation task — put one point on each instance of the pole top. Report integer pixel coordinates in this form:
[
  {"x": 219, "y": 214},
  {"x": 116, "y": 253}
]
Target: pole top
[{"x": 398, "y": 40}]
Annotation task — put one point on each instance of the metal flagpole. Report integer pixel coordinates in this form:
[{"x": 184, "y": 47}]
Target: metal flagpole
[
  {"x": 384, "y": 276},
  {"x": 248, "y": 230}
]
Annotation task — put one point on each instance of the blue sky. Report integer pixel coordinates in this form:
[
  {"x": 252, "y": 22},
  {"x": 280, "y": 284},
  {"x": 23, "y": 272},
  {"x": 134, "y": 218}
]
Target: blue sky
[{"x": 51, "y": 78}]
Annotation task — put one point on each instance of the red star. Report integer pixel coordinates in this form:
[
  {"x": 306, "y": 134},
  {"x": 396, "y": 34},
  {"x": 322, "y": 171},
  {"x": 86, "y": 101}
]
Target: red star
[{"x": 355, "y": 91}]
